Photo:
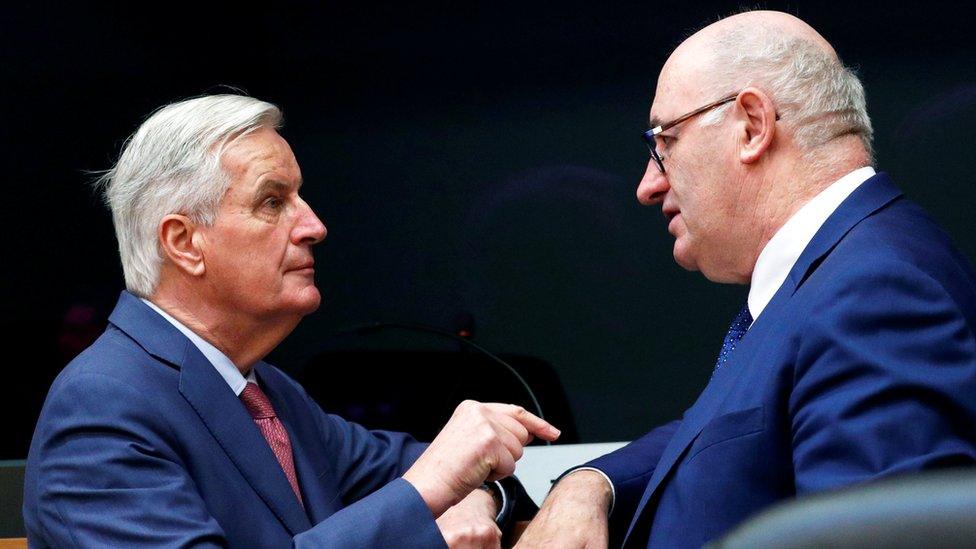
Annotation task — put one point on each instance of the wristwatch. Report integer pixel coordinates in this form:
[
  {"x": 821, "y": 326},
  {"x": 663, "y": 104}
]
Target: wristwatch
[{"x": 503, "y": 503}]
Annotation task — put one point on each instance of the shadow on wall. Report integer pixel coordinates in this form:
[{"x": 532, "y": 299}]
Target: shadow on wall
[
  {"x": 545, "y": 243},
  {"x": 932, "y": 149},
  {"x": 558, "y": 263}
]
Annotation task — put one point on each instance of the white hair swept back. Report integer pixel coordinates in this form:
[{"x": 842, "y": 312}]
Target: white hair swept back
[
  {"x": 818, "y": 97},
  {"x": 171, "y": 165}
]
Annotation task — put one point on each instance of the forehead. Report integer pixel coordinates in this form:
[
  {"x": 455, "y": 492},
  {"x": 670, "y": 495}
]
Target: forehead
[
  {"x": 680, "y": 86},
  {"x": 262, "y": 153}
]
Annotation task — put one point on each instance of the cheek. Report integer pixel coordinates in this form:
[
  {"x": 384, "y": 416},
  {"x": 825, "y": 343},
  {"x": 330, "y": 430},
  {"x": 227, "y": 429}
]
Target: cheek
[
  {"x": 251, "y": 259},
  {"x": 262, "y": 243}
]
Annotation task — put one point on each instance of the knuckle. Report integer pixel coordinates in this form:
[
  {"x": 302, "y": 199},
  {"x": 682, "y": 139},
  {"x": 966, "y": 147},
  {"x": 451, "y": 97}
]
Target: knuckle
[
  {"x": 491, "y": 460},
  {"x": 505, "y": 468},
  {"x": 488, "y": 455},
  {"x": 488, "y": 532}
]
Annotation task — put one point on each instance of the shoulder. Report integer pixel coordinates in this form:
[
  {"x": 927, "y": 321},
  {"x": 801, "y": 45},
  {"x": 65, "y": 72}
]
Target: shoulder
[
  {"x": 897, "y": 257},
  {"x": 116, "y": 356},
  {"x": 903, "y": 234},
  {"x": 893, "y": 286},
  {"x": 112, "y": 381}
]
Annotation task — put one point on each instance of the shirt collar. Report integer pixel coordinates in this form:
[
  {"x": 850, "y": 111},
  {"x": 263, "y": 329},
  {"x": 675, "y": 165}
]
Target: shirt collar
[
  {"x": 225, "y": 367},
  {"x": 785, "y": 247}
]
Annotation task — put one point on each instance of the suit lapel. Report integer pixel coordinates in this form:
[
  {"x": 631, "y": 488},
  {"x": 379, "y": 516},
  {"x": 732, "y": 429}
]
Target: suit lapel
[
  {"x": 696, "y": 417},
  {"x": 869, "y": 197},
  {"x": 218, "y": 407},
  {"x": 227, "y": 419},
  {"x": 150, "y": 331},
  {"x": 318, "y": 502}
]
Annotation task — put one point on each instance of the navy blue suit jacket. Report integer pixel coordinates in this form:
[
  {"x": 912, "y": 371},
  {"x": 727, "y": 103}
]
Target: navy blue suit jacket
[
  {"x": 142, "y": 443},
  {"x": 863, "y": 365}
]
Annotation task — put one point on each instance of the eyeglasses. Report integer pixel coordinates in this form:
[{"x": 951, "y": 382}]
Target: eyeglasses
[{"x": 651, "y": 134}]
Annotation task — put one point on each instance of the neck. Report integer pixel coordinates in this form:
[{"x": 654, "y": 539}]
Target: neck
[
  {"x": 787, "y": 189},
  {"x": 239, "y": 336}
]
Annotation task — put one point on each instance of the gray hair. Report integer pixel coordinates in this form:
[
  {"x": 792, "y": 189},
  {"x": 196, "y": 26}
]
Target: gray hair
[
  {"x": 172, "y": 164},
  {"x": 818, "y": 97}
]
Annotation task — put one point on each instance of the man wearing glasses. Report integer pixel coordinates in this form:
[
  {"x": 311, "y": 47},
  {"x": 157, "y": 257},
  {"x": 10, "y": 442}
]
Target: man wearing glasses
[{"x": 854, "y": 358}]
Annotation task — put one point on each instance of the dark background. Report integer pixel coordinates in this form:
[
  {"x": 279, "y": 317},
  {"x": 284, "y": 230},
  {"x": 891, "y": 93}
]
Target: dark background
[{"x": 466, "y": 157}]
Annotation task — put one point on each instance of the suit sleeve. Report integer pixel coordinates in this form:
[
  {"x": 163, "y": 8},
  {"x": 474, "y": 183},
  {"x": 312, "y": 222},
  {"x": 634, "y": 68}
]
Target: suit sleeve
[
  {"x": 106, "y": 466},
  {"x": 885, "y": 380},
  {"x": 381, "y": 509},
  {"x": 393, "y": 516},
  {"x": 630, "y": 468}
]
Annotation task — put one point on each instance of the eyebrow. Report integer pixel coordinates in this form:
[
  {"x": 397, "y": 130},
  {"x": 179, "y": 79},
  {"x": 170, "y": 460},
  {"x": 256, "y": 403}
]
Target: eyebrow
[{"x": 273, "y": 184}]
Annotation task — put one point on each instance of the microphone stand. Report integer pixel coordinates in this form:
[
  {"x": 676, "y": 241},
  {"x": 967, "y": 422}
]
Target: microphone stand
[{"x": 409, "y": 326}]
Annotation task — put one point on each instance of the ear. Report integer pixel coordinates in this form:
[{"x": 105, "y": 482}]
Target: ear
[
  {"x": 759, "y": 124},
  {"x": 179, "y": 238}
]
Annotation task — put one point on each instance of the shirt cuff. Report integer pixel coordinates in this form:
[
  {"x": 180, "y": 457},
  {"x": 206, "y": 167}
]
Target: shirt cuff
[{"x": 613, "y": 491}]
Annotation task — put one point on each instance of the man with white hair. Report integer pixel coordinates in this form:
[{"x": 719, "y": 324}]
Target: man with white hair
[
  {"x": 170, "y": 431},
  {"x": 855, "y": 356}
]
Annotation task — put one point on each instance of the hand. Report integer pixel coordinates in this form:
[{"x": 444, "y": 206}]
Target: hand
[
  {"x": 471, "y": 523},
  {"x": 574, "y": 514},
  {"x": 480, "y": 442}
]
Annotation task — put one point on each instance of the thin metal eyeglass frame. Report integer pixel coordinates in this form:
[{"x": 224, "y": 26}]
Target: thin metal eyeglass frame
[{"x": 649, "y": 135}]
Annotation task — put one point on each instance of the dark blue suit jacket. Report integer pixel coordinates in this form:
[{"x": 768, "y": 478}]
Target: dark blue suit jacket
[
  {"x": 142, "y": 443},
  {"x": 863, "y": 365}
]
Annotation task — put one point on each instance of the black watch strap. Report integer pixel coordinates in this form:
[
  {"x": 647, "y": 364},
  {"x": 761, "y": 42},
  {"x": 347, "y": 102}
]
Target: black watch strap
[{"x": 503, "y": 502}]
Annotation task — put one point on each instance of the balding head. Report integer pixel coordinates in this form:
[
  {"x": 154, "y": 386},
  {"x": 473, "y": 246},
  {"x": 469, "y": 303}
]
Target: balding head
[
  {"x": 783, "y": 24},
  {"x": 753, "y": 115},
  {"x": 817, "y": 97}
]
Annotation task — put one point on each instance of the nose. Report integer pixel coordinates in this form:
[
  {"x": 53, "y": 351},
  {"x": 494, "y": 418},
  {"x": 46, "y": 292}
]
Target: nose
[
  {"x": 653, "y": 186},
  {"x": 309, "y": 229}
]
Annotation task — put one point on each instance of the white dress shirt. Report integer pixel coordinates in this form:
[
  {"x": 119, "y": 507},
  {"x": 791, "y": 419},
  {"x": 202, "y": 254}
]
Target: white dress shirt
[
  {"x": 784, "y": 248},
  {"x": 219, "y": 360}
]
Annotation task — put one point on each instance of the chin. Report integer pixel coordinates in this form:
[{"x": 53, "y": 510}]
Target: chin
[
  {"x": 306, "y": 301},
  {"x": 684, "y": 259},
  {"x": 723, "y": 275}
]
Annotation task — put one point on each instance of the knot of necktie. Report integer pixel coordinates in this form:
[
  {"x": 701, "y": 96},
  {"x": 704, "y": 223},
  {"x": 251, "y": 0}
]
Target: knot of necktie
[{"x": 257, "y": 402}]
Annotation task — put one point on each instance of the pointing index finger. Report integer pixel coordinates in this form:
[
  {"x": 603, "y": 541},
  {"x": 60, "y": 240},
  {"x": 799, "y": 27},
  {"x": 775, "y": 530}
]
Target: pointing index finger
[{"x": 533, "y": 423}]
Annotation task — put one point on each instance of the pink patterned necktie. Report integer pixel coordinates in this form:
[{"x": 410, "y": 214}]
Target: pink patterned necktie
[{"x": 259, "y": 406}]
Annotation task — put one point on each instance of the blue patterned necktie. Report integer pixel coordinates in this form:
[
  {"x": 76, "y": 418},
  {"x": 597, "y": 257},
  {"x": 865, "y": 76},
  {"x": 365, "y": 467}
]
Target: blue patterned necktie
[{"x": 740, "y": 325}]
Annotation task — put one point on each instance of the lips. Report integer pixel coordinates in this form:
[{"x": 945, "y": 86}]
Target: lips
[
  {"x": 670, "y": 211},
  {"x": 670, "y": 214},
  {"x": 310, "y": 264}
]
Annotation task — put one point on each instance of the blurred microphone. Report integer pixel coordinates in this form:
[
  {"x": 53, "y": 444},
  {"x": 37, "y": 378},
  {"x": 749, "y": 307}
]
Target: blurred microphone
[
  {"x": 464, "y": 324},
  {"x": 464, "y": 329}
]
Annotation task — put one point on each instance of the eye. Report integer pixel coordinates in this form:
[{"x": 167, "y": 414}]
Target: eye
[{"x": 273, "y": 203}]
